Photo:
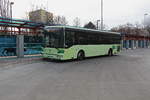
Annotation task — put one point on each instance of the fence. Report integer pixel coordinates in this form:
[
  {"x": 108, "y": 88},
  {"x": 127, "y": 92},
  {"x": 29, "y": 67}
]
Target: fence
[
  {"x": 135, "y": 44},
  {"x": 7, "y": 45},
  {"x": 32, "y": 45}
]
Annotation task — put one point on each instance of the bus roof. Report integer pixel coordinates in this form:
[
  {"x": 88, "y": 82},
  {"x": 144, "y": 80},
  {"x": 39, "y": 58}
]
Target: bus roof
[{"x": 81, "y": 28}]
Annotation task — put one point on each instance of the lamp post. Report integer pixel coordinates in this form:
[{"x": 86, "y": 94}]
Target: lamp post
[
  {"x": 145, "y": 19},
  {"x": 145, "y": 28},
  {"x": 102, "y": 19},
  {"x": 97, "y": 24},
  {"x": 11, "y": 3}
]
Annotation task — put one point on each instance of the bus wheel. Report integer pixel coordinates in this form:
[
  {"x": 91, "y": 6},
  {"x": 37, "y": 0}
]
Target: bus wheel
[
  {"x": 80, "y": 55},
  {"x": 110, "y": 52}
]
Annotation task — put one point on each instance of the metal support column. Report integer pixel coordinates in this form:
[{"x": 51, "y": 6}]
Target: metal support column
[
  {"x": 122, "y": 41},
  {"x": 127, "y": 44},
  {"x": 140, "y": 43},
  {"x": 20, "y": 46},
  {"x": 132, "y": 44},
  {"x": 145, "y": 44},
  {"x": 137, "y": 45},
  {"x": 148, "y": 43}
]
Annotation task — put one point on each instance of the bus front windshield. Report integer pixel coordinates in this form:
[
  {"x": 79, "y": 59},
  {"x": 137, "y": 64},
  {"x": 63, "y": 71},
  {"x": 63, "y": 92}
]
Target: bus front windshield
[{"x": 54, "y": 38}]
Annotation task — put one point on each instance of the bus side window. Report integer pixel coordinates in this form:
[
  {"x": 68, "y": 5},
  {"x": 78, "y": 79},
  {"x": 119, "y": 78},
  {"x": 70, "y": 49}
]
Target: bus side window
[
  {"x": 82, "y": 38},
  {"x": 69, "y": 40},
  {"x": 93, "y": 38}
]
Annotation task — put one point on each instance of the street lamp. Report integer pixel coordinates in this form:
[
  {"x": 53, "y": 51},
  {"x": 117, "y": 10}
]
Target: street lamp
[
  {"x": 145, "y": 19},
  {"x": 102, "y": 15},
  {"x": 97, "y": 23},
  {"x": 145, "y": 25},
  {"x": 11, "y": 3}
]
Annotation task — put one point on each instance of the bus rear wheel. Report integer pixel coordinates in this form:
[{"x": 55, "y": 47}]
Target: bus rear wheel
[
  {"x": 110, "y": 52},
  {"x": 80, "y": 55}
]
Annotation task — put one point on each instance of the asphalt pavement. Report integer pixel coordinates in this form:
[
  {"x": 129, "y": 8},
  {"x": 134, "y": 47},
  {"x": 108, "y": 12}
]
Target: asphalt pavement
[{"x": 122, "y": 77}]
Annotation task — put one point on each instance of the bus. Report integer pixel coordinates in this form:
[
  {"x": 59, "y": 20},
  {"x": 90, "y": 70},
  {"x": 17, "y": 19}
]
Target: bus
[{"x": 66, "y": 43}]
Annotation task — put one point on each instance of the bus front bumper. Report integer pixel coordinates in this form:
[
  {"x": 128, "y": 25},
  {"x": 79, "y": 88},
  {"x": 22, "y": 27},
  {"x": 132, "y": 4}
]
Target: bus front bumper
[{"x": 53, "y": 56}]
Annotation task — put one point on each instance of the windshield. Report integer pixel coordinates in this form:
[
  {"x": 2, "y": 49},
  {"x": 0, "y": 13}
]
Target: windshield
[{"x": 54, "y": 37}]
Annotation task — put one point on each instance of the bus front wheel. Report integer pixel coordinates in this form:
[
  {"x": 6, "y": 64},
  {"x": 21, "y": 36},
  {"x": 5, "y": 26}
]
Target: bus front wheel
[
  {"x": 80, "y": 55},
  {"x": 110, "y": 52}
]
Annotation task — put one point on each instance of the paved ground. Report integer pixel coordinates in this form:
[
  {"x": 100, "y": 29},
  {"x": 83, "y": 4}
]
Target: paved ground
[
  {"x": 14, "y": 61},
  {"x": 123, "y": 77}
]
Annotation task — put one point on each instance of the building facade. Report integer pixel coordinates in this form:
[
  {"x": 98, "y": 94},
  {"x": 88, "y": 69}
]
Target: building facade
[
  {"x": 134, "y": 41},
  {"x": 42, "y": 16}
]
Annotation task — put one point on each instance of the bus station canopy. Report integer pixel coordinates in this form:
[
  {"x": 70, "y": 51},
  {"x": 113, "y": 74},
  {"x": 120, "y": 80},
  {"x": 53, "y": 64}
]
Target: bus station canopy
[{"x": 18, "y": 23}]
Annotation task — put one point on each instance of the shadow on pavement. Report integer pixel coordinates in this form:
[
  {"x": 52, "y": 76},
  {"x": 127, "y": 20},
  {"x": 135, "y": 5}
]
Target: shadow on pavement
[{"x": 75, "y": 60}]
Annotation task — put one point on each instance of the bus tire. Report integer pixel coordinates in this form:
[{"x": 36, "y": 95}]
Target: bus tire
[
  {"x": 110, "y": 52},
  {"x": 80, "y": 55}
]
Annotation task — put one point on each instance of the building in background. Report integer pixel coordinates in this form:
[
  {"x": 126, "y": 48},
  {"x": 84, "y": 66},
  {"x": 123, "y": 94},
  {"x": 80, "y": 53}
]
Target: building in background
[{"x": 42, "y": 16}]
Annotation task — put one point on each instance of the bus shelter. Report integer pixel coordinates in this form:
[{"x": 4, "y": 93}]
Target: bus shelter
[{"x": 16, "y": 36}]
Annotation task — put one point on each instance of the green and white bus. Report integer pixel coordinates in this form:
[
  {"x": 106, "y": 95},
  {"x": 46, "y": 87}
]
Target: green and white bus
[{"x": 66, "y": 42}]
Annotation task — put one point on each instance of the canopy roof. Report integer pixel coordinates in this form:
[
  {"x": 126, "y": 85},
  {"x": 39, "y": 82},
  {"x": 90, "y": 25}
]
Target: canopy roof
[{"x": 8, "y": 22}]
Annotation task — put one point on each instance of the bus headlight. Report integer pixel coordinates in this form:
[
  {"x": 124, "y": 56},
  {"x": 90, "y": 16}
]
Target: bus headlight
[{"x": 60, "y": 51}]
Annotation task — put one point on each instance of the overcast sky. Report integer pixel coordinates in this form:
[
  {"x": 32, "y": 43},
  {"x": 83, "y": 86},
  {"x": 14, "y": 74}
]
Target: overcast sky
[{"x": 116, "y": 12}]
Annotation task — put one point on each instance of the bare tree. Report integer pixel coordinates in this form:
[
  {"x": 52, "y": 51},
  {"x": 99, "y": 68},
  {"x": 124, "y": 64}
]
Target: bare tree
[
  {"x": 77, "y": 22},
  {"x": 4, "y": 11},
  {"x": 138, "y": 25},
  {"x": 60, "y": 20},
  {"x": 105, "y": 27},
  {"x": 130, "y": 29},
  {"x": 90, "y": 25},
  {"x": 26, "y": 16},
  {"x": 5, "y": 8}
]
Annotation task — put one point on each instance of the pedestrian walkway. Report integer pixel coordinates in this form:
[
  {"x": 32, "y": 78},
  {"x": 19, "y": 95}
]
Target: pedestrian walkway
[{"x": 6, "y": 61}]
